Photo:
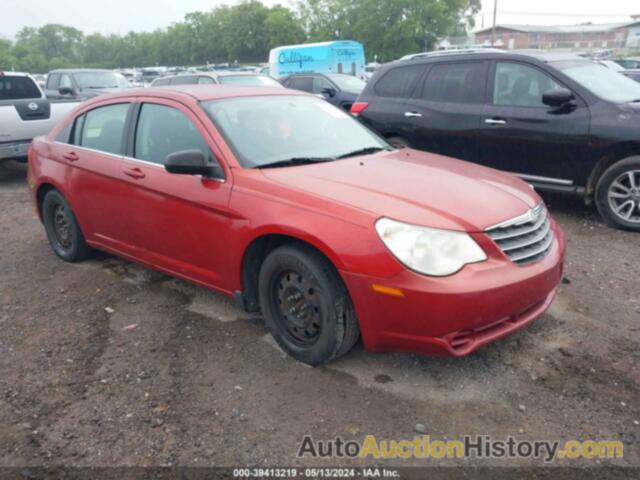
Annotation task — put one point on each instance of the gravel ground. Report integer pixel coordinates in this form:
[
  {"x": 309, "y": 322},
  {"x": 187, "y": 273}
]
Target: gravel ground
[{"x": 106, "y": 363}]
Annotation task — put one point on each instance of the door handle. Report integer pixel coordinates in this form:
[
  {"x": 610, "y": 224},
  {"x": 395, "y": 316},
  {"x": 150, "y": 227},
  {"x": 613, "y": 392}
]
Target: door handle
[
  {"x": 412, "y": 114},
  {"x": 495, "y": 121},
  {"x": 134, "y": 172},
  {"x": 71, "y": 156}
]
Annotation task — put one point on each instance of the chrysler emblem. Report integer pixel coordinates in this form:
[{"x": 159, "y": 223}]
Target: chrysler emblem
[
  {"x": 33, "y": 106},
  {"x": 534, "y": 213}
]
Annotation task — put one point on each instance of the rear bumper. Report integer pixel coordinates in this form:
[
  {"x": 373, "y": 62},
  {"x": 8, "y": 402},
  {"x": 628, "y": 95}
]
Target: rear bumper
[
  {"x": 16, "y": 150},
  {"x": 453, "y": 316}
]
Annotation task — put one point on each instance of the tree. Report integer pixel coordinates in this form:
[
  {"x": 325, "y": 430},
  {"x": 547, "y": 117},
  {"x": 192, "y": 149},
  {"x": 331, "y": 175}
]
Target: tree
[
  {"x": 245, "y": 32},
  {"x": 8, "y": 60},
  {"x": 282, "y": 28},
  {"x": 386, "y": 28}
]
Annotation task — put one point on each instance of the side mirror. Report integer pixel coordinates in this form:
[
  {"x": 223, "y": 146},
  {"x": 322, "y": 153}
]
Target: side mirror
[
  {"x": 329, "y": 91},
  {"x": 558, "y": 97},
  {"x": 65, "y": 91},
  {"x": 191, "y": 162}
]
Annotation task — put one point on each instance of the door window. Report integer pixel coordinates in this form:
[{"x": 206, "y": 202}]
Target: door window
[
  {"x": 103, "y": 128},
  {"x": 165, "y": 130},
  {"x": 399, "y": 82},
  {"x": 65, "y": 82},
  {"x": 518, "y": 85},
  {"x": 302, "y": 83},
  {"x": 205, "y": 81},
  {"x": 185, "y": 80},
  {"x": 53, "y": 81},
  {"x": 455, "y": 83},
  {"x": 319, "y": 83}
]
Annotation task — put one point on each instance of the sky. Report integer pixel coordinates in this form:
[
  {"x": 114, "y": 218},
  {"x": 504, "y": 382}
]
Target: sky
[
  {"x": 122, "y": 16},
  {"x": 556, "y": 12}
]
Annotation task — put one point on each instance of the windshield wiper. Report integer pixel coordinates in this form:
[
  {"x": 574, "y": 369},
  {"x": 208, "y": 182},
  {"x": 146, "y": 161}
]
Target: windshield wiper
[
  {"x": 363, "y": 151},
  {"x": 289, "y": 162}
]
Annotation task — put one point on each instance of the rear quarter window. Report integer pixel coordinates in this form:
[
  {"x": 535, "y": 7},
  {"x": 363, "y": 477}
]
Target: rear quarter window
[
  {"x": 103, "y": 128},
  {"x": 399, "y": 82},
  {"x": 18, "y": 88}
]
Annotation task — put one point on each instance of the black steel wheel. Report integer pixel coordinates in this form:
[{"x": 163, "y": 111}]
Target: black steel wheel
[
  {"x": 62, "y": 228},
  {"x": 305, "y": 305}
]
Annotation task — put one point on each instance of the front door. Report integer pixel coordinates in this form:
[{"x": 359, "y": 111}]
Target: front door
[
  {"x": 522, "y": 135},
  {"x": 177, "y": 222}
]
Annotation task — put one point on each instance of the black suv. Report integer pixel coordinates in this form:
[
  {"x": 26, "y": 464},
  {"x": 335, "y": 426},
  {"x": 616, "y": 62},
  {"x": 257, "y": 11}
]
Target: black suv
[
  {"x": 336, "y": 88},
  {"x": 558, "y": 121}
]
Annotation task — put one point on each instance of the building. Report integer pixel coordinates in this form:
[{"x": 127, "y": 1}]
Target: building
[{"x": 586, "y": 36}]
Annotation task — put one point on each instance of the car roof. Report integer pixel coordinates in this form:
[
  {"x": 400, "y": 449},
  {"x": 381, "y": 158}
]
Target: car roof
[
  {"x": 216, "y": 74},
  {"x": 203, "y": 92},
  {"x": 79, "y": 70},
  {"x": 4, "y": 73},
  {"x": 542, "y": 56}
]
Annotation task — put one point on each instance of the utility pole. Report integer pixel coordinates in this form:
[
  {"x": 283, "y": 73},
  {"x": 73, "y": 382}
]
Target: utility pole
[{"x": 493, "y": 29}]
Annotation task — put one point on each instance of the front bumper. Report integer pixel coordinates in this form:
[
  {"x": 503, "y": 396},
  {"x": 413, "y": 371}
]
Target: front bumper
[
  {"x": 458, "y": 314},
  {"x": 17, "y": 150}
]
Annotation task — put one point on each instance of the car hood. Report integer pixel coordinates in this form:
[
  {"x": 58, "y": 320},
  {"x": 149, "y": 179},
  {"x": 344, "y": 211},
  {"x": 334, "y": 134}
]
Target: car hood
[{"x": 415, "y": 187}]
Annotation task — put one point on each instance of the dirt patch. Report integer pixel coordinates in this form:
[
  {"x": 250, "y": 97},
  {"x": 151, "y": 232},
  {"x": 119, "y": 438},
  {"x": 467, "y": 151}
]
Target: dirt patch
[{"x": 106, "y": 363}]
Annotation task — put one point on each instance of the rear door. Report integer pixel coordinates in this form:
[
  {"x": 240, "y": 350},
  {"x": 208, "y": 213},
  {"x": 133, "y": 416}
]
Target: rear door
[
  {"x": 386, "y": 99},
  {"x": 176, "y": 222},
  {"x": 444, "y": 114},
  {"x": 522, "y": 135},
  {"x": 92, "y": 149}
]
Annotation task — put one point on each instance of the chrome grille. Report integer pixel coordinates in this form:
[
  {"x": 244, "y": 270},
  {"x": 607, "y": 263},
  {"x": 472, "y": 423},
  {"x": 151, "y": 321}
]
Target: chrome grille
[{"x": 524, "y": 239}]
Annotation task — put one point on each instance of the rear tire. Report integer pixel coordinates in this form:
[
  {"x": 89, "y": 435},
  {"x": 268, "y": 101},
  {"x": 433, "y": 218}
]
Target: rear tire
[
  {"x": 306, "y": 306},
  {"x": 618, "y": 194},
  {"x": 63, "y": 231}
]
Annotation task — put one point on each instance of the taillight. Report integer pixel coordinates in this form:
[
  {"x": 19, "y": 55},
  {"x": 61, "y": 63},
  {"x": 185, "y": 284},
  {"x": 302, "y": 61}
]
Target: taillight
[{"x": 358, "y": 107}]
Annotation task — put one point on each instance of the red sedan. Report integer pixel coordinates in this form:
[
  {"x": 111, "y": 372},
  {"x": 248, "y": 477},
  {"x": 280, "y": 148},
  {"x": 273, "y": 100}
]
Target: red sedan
[{"x": 294, "y": 208}]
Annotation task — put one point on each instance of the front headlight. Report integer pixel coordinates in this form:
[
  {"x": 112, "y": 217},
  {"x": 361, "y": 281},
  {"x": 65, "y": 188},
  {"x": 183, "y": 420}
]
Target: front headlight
[{"x": 428, "y": 250}]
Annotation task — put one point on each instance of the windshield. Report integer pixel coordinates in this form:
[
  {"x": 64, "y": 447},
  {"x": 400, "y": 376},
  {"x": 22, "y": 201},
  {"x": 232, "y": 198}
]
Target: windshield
[
  {"x": 250, "y": 80},
  {"x": 100, "y": 80},
  {"x": 348, "y": 83},
  {"x": 269, "y": 129},
  {"x": 601, "y": 81}
]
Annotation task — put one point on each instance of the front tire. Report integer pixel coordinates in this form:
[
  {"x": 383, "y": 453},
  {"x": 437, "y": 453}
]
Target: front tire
[
  {"x": 618, "y": 194},
  {"x": 63, "y": 231},
  {"x": 306, "y": 306}
]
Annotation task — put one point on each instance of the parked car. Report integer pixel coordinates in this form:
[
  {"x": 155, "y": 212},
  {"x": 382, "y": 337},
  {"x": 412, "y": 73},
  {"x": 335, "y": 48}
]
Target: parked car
[
  {"x": 339, "y": 90},
  {"x": 615, "y": 66},
  {"x": 369, "y": 70},
  {"x": 294, "y": 208},
  {"x": 561, "y": 122},
  {"x": 81, "y": 84},
  {"x": 215, "y": 78},
  {"x": 40, "y": 79},
  {"x": 632, "y": 74},
  {"x": 148, "y": 75},
  {"x": 25, "y": 113},
  {"x": 629, "y": 63}
]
